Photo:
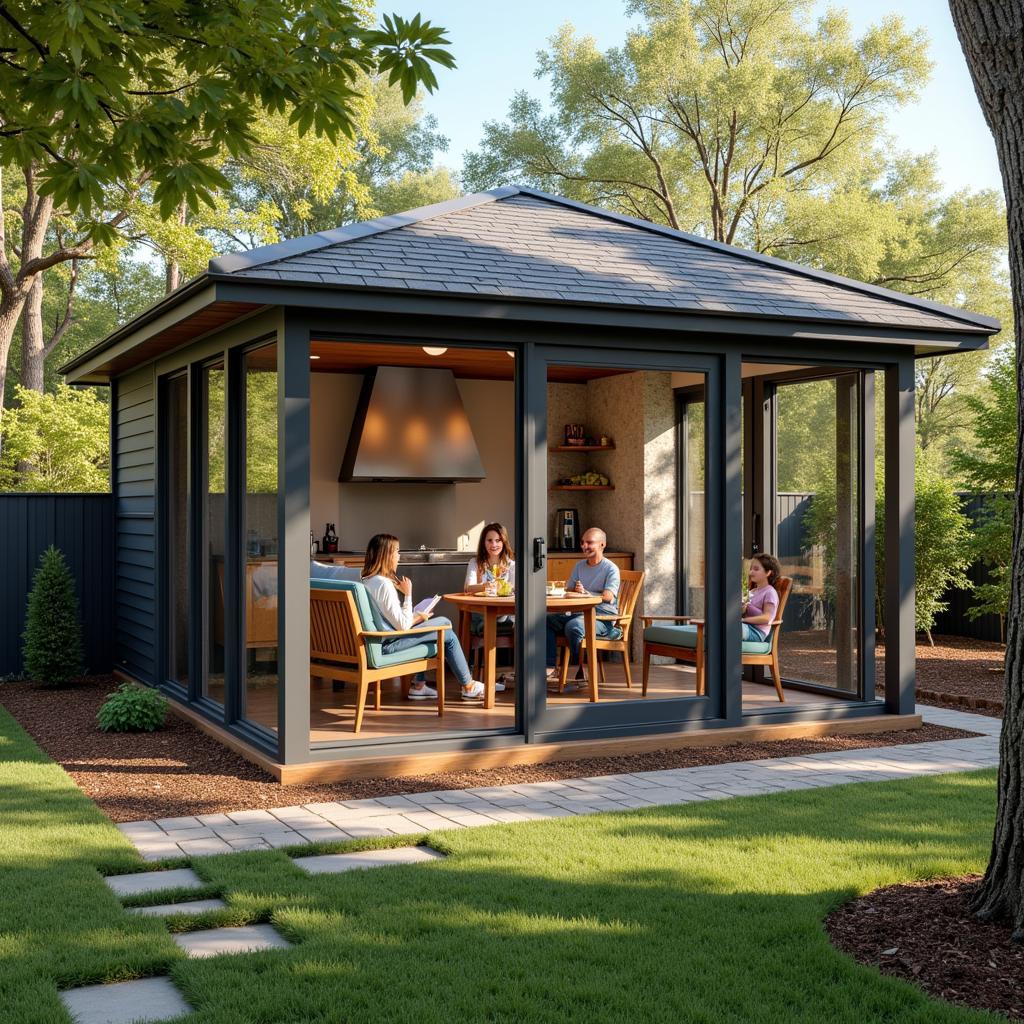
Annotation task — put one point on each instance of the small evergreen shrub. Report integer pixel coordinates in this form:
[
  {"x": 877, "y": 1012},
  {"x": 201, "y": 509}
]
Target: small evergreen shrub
[
  {"x": 132, "y": 709},
  {"x": 52, "y": 641}
]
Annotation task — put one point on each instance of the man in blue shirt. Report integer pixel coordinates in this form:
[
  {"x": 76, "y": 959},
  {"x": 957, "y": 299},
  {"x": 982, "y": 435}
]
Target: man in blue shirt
[{"x": 594, "y": 575}]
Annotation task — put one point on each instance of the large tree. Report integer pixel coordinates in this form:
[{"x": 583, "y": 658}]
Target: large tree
[
  {"x": 992, "y": 36},
  {"x": 104, "y": 99},
  {"x": 715, "y": 116}
]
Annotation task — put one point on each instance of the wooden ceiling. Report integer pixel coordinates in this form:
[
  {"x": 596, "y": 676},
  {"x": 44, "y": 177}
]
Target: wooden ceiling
[{"x": 475, "y": 363}]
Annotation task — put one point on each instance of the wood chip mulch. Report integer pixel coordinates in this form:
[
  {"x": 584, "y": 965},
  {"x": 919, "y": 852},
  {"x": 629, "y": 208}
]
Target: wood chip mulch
[
  {"x": 179, "y": 770},
  {"x": 925, "y": 933},
  {"x": 959, "y": 673}
]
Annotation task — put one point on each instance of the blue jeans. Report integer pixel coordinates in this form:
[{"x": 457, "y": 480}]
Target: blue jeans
[
  {"x": 752, "y": 633},
  {"x": 573, "y": 628},
  {"x": 453, "y": 655}
]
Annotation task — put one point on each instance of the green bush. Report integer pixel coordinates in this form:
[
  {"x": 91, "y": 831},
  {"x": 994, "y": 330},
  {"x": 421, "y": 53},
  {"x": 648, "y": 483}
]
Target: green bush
[
  {"x": 941, "y": 535},
  {"x": 132, "y": 709},
  {"x": 52, "y": 646}
]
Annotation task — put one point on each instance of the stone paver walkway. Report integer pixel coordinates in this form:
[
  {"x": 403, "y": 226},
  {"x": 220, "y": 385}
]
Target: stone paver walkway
[{"x": 419, "y": 813}]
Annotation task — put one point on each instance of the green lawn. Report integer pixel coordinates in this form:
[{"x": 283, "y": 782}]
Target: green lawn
[{"x": 698, "y": 913}]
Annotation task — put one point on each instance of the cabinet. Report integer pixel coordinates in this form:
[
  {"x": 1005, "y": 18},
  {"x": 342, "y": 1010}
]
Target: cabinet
[{"x": 560, "y": 564}]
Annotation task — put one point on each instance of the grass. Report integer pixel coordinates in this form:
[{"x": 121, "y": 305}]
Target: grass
[{"x": 709, "y": 912}]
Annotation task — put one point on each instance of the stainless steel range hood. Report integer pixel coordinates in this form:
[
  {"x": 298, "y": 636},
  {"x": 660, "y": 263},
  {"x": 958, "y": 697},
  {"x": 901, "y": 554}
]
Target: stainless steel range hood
[{"x": 410, "y": 426}]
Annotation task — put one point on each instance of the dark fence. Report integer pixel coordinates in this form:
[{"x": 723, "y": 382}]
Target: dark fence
[
  {"x": 81, "y": 525},
  {"x": 954, "y": 621},
  {"x": 792, "y": 510}
]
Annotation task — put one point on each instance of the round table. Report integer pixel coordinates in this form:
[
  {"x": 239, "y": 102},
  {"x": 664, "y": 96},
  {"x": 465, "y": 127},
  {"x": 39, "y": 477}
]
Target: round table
[{"x": 492, "y": 608}]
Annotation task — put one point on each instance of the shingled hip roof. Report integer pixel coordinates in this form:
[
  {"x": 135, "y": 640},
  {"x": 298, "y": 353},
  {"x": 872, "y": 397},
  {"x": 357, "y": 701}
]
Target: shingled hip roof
[{"x": 517, "y": 243}]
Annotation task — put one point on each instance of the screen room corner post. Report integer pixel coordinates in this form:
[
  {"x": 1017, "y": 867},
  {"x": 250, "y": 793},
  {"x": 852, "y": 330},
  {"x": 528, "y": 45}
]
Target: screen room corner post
[
  {"x": 293, "y": 397},
  {"x": 725, "y": 426},
  {"x": 533, "y": 408},
  {"x": 899, "y": 536}
]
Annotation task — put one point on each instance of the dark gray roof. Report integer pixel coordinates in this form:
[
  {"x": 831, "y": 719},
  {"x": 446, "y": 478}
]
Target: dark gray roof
[{"x": 523, "y": 244}]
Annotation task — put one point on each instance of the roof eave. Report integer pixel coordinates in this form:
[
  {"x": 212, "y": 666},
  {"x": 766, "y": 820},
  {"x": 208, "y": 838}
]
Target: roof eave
[{"x": 76, "y": 368}]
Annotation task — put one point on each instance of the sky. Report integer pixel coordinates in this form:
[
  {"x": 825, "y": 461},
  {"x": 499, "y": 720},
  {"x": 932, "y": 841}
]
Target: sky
[{"x": 496, "y": 56}]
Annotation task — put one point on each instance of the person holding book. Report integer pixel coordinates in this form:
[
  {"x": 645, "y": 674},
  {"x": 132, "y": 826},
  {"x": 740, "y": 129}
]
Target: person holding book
[{"x": 391, "y": 595}]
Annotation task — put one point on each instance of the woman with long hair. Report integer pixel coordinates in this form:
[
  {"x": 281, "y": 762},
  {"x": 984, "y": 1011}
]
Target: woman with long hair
[
  {"x": 495, "y": 560},
  {"x": 391, "y": 595},
  {"x": 495, "y": 563}
]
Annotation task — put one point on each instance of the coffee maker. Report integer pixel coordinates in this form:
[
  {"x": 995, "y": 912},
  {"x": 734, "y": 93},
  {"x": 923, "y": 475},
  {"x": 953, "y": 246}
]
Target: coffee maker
[{"x": 567, "y": 529}]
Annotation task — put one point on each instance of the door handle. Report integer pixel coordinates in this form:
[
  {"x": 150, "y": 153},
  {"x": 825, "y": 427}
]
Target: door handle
[{"x": 539, "y": 553}]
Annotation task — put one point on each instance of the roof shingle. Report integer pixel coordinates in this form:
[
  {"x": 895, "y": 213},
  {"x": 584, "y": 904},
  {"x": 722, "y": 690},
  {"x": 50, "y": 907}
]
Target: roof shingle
[{"x": 525, "y": 245}]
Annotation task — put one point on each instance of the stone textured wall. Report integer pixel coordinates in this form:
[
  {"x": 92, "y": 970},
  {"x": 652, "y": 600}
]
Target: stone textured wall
[{"x": 637, "y": 410}]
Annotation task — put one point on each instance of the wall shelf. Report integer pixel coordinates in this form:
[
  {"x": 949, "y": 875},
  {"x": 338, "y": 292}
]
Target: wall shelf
[
  {"x": 582, "y": 448},
  {"x": 583, "y": 487}
]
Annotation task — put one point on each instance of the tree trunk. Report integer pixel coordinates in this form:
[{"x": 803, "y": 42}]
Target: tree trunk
[
  {"x": 32, "y": 347},
  {"x": 10, "y": 310},
  {"x": 173, "y": 272},
  {"x": 992, "y": 36}
]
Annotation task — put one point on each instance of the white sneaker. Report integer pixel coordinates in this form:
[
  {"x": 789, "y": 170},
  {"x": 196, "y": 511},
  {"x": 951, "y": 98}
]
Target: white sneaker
[
  {"x": 474, "y": 691},
  {"x": 498, "y": 686},
  {"x": 423, "y": 693}
]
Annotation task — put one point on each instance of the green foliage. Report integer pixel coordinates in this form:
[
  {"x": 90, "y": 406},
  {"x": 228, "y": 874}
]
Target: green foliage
[
  {"x": 989, "y": 466},
  {"x": 941, "y": 549},
  {"x": 56, "y": 442},
  {"x": 52, "y": 641},
  {"x": 94, "y": 94},
  {"x": 132, "y": 709},
  {"x": 716, "y": 116}
]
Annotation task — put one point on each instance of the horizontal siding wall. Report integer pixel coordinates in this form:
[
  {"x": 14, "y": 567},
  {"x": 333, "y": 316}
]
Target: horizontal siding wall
[
  {"x": 134, "y": 606},
  {"x": 81, "y": 525}
]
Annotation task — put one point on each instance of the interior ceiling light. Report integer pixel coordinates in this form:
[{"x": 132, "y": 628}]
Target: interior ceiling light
[
  {"x": 314, "y": 357},
  {"x": 511, "y": 355},
  {"x": 432, "y": 350}
]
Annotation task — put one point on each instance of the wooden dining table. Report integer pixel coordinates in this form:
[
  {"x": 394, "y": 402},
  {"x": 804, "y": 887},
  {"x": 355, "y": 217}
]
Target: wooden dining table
[{"x": 492, "y": 608}]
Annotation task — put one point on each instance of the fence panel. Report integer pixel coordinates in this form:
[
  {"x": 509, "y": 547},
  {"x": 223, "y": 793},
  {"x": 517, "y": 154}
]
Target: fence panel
[{"x": 81, "y": 525}]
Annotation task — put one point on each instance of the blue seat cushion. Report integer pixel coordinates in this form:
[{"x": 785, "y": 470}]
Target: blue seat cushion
[
  {"x": 325, "y": 571},
  {"x": 371, "y": 619},
  {"x": 686, "y": 636}
]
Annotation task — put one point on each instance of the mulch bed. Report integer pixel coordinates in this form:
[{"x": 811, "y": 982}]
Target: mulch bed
[
  {"x": 179, "y": 770},
  {"x": 962, "y": 674},
  {"x": 925, "y": 933}
]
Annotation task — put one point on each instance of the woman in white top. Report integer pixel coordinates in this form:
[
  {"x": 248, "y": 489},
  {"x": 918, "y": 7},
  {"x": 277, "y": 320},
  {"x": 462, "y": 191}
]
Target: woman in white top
[
  {"x": 495, "y": 561},
  {"x": 392, "y": 596}
]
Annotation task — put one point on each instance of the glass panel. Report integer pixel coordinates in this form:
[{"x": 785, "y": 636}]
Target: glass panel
[
  {"x": 439, "y": 427},
  {"x": 817, "y": 529},
  {"x": 623, "y": 473},
  {"x": 176, "y": 511},
  {"x": 214, "y": 514},
  {"x": 259, "y": 587}
]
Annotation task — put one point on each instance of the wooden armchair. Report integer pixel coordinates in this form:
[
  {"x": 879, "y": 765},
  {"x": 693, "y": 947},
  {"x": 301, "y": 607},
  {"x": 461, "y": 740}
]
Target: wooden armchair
[
  {"x": 340, "y": 647},
  {"x": 631, "y": 583},
  {"x": 686, "y": 644}
]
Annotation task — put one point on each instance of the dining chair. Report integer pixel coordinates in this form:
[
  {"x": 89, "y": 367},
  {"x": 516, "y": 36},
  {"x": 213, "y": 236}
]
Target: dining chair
[
  {"x": 684, "y": 641},
  {"x": 631, "y": 582}
]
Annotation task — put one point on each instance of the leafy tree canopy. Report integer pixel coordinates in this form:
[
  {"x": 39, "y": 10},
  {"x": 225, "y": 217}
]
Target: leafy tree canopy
[
  {"x": 63, "y": 438},
  {"x": 714, "y": 117},
  {"x": 94, "y": 92}
]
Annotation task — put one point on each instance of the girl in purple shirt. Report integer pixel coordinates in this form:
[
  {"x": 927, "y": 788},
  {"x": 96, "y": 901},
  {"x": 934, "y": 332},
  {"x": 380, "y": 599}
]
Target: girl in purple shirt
[{"x": 763, "y": 600}]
